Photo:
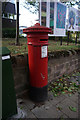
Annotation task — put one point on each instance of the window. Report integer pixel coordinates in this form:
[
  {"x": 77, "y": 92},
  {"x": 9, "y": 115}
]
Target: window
[{"x": 43, "y": 13}]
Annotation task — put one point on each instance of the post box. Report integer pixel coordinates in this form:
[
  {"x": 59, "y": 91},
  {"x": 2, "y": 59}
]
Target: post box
[{"x": 37, "y": 40}]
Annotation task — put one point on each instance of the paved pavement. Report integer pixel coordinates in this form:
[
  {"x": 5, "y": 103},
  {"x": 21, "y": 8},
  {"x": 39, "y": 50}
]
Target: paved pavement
[{"x": 54, "y": 107}]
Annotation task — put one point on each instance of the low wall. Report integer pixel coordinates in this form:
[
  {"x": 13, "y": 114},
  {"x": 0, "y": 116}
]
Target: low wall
[
  {"x": 59, "y": 63},
  {"x": 20, "y": 73}
]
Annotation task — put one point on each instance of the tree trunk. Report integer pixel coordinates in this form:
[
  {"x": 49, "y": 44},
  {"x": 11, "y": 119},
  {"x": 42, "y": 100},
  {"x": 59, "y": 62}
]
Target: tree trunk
[
  {"x": 17, "y": 23},
  {"x": 68, "y": 38},
  {"x": 76, "y": 38},
  {"x": 60, "y": 38}
]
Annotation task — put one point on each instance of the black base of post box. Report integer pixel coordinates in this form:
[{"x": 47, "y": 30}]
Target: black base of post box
[{"x": 38, "y": 94}]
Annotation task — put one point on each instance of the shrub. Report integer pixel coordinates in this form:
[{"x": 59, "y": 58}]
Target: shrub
[{"x": 8, "y": 32}]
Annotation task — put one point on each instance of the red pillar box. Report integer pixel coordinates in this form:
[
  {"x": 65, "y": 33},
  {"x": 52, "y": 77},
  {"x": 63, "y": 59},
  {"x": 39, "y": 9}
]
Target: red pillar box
[{"x": 37, "y": 37}]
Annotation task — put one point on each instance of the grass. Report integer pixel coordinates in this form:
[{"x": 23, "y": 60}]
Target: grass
[
  {"x": 22, "y": 48},
  {"x": 15, "y": 50},
  {"x": 55, "y": 46}
]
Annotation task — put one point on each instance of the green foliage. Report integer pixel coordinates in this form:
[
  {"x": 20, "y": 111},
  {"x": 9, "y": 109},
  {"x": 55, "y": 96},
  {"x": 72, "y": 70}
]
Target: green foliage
[
  {"x": 72, "y": 108},
  {"x": 8, "y": 32},
  {"x": 21, "y": 36},
  {"x": 32, "y": 6}
]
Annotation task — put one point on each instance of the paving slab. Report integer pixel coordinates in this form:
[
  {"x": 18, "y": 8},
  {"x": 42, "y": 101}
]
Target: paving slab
[
  {"x": 25, "y": 107},
  {"x": 27, "y": 101},
  {"x": 79, "y": 105},
  {"x": 57, "y": 99},
  {"x": 49, "y": 108},
  {"x": 65, "y": 108},
  {"x": 51, "y": 112},
  {"x": 31, "y": 116},
  {"x": 79, "y": 98},
  {"x": 73, "y": 97},
  {"x": 63, "y": 116}
]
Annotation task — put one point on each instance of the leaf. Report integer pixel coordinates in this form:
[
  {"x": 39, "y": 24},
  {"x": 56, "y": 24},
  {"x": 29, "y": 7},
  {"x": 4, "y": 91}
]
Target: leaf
[
  {"x": 72, "y": 88},
  {"x": 72, "y": 108},
  {"x": 63, "y": 92},
  {"x": 50, "y": 86},
  {"x": 16, "y": 51},
  {"x": 59, "y": 108},
  {"x": 55, "y": 95},
  {"x": 58, "y": 80},
  {"x": 52, "y": 90},
  {"x": 75, "y": 85},
  {"x": 65, "y": 88},
  {"x": 64, "y": 75},
  {"x": 59, "y": 84},
  {"x": 65, "y": 84},
  {"x": 61, "y": 79},
  {"x": 21, "y": 107},
  {"x": 70, "y": 83},
  {"x": 69, "y": 95},
  {"x": 68, "y": 77},
  {"x": 73, "y": 75},
  {"x": 69, "y": 90},
  {"x": 55, "y": 83},
  {"x": 56, "y": 87}
]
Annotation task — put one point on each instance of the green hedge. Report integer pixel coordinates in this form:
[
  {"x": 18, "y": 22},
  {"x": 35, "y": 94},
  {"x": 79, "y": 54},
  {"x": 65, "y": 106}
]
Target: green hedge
[{"x": 8, "y": 32}]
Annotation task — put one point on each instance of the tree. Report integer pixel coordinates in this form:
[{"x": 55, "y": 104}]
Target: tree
[
  {"x": 71, "y": 2},
  {"x": 32, "y": 6},
  {"x": 78, "y": 3}
]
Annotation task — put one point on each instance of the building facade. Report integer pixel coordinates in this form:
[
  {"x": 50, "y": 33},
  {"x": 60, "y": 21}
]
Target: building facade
[{"x": 8, "y": 15}]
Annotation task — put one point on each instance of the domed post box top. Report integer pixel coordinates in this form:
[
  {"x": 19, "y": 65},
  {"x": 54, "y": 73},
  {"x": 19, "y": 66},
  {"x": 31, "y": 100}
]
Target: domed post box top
[
  {"x": 37, "y": 35},
  {"x": 37, "y": 28}
]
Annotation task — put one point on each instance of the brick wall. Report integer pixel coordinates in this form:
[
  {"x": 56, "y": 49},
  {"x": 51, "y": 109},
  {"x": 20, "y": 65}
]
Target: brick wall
[
  {"x": 62, "y": 65},
  {"x": 20, "y": 73},
  {"x": 59, "y": 63}
]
